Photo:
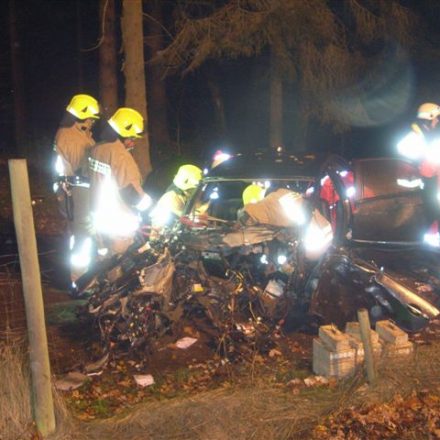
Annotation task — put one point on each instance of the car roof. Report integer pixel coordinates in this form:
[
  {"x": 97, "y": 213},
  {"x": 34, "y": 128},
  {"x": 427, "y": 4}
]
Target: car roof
[{"x": 270, "y": 165}]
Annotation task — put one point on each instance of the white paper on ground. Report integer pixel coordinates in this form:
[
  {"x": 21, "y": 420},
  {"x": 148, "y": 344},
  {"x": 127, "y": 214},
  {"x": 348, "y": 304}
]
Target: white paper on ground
[
  {"x": 185, "y": 342},
  {"x": 144, "y": 380}
]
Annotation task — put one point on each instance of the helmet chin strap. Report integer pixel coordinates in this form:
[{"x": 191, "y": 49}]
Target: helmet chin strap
[
  {"x": 86, "y": 124},
  {"x": 129, "y": 144}
]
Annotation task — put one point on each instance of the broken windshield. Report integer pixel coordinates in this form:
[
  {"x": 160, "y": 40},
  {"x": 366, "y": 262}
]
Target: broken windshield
[{"x": 222, "y": 199}]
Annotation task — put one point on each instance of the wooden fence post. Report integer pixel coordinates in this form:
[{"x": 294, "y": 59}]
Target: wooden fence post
[
  {"x": 364, "y": 323},
  {"x": 42, "y": 399}
]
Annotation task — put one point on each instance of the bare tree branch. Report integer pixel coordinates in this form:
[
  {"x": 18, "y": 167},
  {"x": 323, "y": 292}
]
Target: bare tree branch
[{"x": 101, "y": 38}]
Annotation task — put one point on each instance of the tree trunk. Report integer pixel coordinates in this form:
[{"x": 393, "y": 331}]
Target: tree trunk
[
  {"x": 157, "y": 92},
  {"x": 108, "y": 82},
  {"x": 302, "y": 132},
  {"x": 302, "y": 122},
  {"x": 17, "y": 82},
  {"x": 135, "y": 92},
  {"x": 276, "y": 103},
  {"x": 79, "y": 39},
  {"x": 217, "y": 99}
]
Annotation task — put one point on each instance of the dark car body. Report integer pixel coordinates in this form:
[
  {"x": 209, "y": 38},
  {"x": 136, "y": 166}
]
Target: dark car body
[{"x": 379, "y": 216}]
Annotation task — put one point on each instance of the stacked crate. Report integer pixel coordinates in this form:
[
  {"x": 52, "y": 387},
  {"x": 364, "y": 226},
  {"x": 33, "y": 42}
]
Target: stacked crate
[
  {"x": 394, "y": 340},
  {"x": 337, "y": 354},
  {"x": 332, "y": 353},
  {"x": 353, "y": 330}
]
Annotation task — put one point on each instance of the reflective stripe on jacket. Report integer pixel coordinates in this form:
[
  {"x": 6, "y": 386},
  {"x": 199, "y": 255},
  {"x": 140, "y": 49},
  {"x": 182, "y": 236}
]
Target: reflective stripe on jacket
[{"x": 112, "y": 169}]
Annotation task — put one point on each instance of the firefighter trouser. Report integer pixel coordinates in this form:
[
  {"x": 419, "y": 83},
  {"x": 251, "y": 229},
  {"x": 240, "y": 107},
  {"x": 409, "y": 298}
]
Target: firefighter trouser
[{"x": 74, "y": 206}]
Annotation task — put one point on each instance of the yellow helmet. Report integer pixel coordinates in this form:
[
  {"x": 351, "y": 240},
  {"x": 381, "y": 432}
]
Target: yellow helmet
[
  {"x": 428, "y": 111},
  {"x": 187, "y": 177},
  {"x": 83, "y": 107},
  {"x": 253, "y": 194},
  {"x": 128, "y": 123}
]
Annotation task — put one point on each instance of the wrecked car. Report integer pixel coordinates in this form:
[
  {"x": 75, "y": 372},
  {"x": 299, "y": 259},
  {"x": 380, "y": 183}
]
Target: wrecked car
[
  {"x": 379, "y": 211},
  {"x": 385, "y": 257},
  {"x": 327, "y": 238}
]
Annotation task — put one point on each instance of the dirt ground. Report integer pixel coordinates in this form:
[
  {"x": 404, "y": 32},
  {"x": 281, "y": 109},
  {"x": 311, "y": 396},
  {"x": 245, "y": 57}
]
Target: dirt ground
[{"x": 177, "y": 373}]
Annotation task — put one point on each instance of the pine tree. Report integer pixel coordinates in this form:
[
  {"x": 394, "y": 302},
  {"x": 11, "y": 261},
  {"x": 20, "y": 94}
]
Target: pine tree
[{"x": 318, "y": 46}]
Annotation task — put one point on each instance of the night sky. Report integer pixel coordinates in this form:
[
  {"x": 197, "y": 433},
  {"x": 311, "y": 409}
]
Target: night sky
[{"x": 48, "y": 30}]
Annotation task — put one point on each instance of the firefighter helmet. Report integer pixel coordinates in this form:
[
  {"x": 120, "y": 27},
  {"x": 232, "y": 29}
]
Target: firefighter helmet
[
  {"x": 127, "y": 122},
  {"x": 428, "y": 111},
  {"x": 252, "y": 194},
  {"x": 83, "y": 107},
  {"x": 187, "y": 177}
]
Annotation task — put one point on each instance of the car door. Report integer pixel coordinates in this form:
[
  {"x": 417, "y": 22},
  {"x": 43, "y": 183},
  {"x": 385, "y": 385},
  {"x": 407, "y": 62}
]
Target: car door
[{"x": 389, "y": 203}]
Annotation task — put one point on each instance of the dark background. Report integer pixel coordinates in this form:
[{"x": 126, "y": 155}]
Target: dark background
[{"x": 48, "y": 32}]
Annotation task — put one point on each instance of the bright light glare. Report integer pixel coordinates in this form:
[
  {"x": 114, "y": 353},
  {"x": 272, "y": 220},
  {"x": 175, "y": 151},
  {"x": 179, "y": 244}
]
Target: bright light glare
[
  {"x": 144, "y": 203},
  {"x": 432, "y": 239},
  {"x": 82, "y": 257},
  {"x": 413, "y": 183},
  {"x": 412, "y": 146},
  {"x": 324, "y": 179},
  {"x": 263, "y": 259},
  {"x": 220, "y": 157},
  {"x": 433, "y": 152},
  {"x": 351, "y": 191},
  {"x": 317, "y": 238},
  {"x": 292, "y": 206},
  {"x": 102, "y": 252},
  {"x": 267, "y": 184},
  {"x": 282, "y": 259},
  {"x": 110, "y": 216},
  {"x": 71, "y": 242},
  {"x": 59, "y": 167},
  {"x": 343, "y": 173},
  {"x": 214, "y": 195},
  {"x": 160, "y": 216}
]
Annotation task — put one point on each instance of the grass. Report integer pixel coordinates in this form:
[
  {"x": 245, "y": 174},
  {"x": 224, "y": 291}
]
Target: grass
[
  {"x": 257, "y": 410},
  {"x": 15, "y": 409},
  {"x": 262, "y": 411},
  {"x": 16, "y": 420}
]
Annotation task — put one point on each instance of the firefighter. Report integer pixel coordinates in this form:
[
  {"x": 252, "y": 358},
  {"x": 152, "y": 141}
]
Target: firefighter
[
  {"x": 422, "y": 145},
  {"x": 416, "y": 144},
  {"x": 252, "y": 194},
  {"x": 72, "y": 145},
  {"x": 269, "y": 209},
  {"x": 427, "y": 128},
  {"x": 284, "y": 208},
  {"x": 171, "y": 205},
  {"x": 117, "y": 197}
]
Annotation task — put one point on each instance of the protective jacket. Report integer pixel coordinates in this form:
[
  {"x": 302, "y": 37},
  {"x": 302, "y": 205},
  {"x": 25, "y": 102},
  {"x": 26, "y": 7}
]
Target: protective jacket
[
  {"x": 316, "y": 229},
  {"x": 72, "y": 145},
  {"x": 430, "y": 163},
  {"x": 115, "y": 183},
  {"x": 174, "y": 199},
  {"x": 269, "y": 210},
  {"x": 170, "y": 206}
]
